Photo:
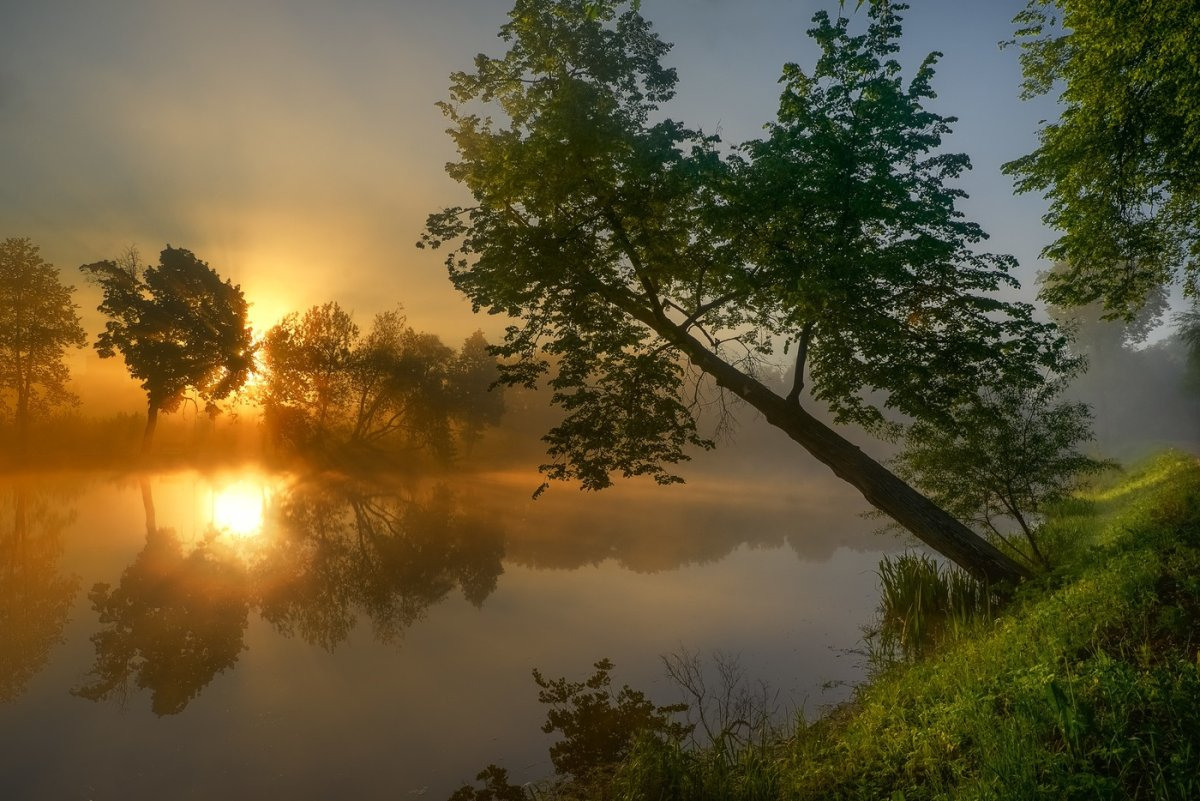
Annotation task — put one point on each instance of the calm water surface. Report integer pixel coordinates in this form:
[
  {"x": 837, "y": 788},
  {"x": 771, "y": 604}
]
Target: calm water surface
[{"x": 246, "y": 635}]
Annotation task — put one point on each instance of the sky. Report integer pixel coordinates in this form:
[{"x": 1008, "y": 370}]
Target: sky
[{"x": 295, "y": 146}]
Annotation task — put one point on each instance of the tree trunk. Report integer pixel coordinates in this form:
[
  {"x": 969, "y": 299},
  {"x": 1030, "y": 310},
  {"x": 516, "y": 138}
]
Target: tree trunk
[
  {"x": 882, "y": 489},
  {"x": 22, "y": 421},
  {"x": 148, "y": 507},
  {"x": 151, "y": 424}
]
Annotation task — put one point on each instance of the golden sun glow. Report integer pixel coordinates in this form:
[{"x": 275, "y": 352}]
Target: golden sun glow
[{"x": 237, "y": 508}]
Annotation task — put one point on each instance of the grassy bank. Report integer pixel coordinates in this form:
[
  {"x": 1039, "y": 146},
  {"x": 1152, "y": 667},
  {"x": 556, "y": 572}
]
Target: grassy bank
[{"x": 1087, "y": 686}]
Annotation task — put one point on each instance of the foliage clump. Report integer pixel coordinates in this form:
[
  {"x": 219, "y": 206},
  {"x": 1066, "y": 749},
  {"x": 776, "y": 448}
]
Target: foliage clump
[
  {"x": 1002, "y": 458},
  {"x": 179, "y": 327},
  {"x": 328, "y": 386},
  {"x": 1121, "y": 166}
]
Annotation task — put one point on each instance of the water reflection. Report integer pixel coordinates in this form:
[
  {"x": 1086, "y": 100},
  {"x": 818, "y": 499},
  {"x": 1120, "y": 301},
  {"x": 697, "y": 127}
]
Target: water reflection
[
  {"x": 281, "y": 623},
  {"x": 315, "y": 559},
  {"x": 349, "y": 548},
  {"x": 238, "y": 507},
  {"x": 35, "y": 595},
  {"x": 324, "y": 555},
  {"x": 174, "y": 620}
]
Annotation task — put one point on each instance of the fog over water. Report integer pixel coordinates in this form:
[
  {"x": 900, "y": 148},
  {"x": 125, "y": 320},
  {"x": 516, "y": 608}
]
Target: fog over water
[
  {"x": 224, "y": 616},
  {"x": 193, "y": 635}
]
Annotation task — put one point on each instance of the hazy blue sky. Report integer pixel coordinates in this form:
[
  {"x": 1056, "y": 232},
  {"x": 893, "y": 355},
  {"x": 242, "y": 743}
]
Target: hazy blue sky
[{"x": 296, "y": 147}]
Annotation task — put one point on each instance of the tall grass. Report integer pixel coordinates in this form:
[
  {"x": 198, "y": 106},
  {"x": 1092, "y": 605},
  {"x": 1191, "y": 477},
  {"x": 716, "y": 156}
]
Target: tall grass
[{"x": 923, "y": 602}]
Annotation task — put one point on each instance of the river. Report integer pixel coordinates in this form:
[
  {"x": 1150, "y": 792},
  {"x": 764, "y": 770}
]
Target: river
[{"x": 245, "y": 634}]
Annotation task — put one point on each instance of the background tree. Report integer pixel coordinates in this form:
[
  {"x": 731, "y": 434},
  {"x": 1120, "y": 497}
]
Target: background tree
[
  {"x": 1095, "y": 335},
  {"x": 307, "y": 362},
  {"x": 625, "y": 243},
  {"x": 327, "y": 386},
  {"x": 1010, "y": 453},
  {"x": 402, "y": 387},
  {"x": 1121, "y": 166},
  {"x": 178, "y": 326},
  {"x": 38, "y": 322},
  {"x": 474, "y": 379},
  {"x": 1188, "y": 326}
]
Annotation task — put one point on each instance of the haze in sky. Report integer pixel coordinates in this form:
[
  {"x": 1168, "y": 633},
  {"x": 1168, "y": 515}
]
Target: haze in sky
[{"x": 296, "y": 147}]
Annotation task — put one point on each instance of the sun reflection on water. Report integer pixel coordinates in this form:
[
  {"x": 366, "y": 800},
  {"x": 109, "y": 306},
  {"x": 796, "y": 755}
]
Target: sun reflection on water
[{"x": 238, "y": 508}]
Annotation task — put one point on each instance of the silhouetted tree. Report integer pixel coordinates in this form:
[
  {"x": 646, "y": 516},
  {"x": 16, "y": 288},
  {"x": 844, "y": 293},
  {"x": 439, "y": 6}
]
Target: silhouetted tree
[
  {"x": 402, "y": 387},
  {"x": 38, "y": 322},
  {"x": 178, "y": 326},
  {"x": 328, "y": 386},
  {"x": 1121, "y": 165},
  {"x": 625, "y": 243},
  {"x": 308, "y": 363}
]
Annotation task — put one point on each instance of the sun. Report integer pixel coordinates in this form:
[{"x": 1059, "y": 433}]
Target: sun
[{"x": 237, "y": 508}]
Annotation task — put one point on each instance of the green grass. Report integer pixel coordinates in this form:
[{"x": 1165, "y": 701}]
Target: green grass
[
  {"x": 923, "y": 603},
  {"x": 1087, "y": 686}
]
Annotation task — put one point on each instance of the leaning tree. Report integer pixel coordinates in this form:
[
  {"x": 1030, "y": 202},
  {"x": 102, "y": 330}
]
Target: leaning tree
[
  {"x": 179, "y": 327},
  {"x": 625, "y": 244}
]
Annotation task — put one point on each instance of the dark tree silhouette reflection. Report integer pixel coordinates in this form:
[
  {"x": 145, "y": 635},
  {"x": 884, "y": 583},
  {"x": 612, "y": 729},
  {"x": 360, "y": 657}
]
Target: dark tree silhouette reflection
[
  {"x": 173, "y": 622},
  {"x": 352, "y": 549},
  {"x": 330, "y": 554},
  {"x": 35, "y": 596}
]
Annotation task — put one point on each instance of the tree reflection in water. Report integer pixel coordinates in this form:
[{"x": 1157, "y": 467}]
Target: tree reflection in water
[
  {"x": 174, "y": 621},
  {"x": 35, "y": 596},
  {"x": 329, "y": 554},
  {"x": 350, "y": 549}
]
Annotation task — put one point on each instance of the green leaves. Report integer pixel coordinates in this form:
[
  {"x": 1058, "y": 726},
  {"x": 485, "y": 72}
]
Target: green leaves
[
  {"x": 1004, "y": 457},
  {"x": 1121, "y": 167},
  {"x": 611, "y": 233}
]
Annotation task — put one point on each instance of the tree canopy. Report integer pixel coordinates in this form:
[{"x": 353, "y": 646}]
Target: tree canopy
[
  {"x": 329, "y": 386},
  {"x": 626, "y": 244},
  {"x": 38, "y": 322},
  {"x": 179, "y": 327},
  {"x": 1011, "y": 453},
  {"x": 1121, "y": 166}
]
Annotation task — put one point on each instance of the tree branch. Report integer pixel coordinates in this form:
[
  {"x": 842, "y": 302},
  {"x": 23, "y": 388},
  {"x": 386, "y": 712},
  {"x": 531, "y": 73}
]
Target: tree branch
[
  {"x": 801, "y": 357},
  {"x": 639, "y": 268}
]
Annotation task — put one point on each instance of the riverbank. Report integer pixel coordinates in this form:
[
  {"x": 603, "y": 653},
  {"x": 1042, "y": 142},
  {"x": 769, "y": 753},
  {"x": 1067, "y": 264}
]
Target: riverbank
[{"x": 1086, "y": 686}]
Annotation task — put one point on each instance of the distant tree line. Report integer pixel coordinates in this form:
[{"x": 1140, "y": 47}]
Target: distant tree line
[{"x": 325, "y": 388}]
